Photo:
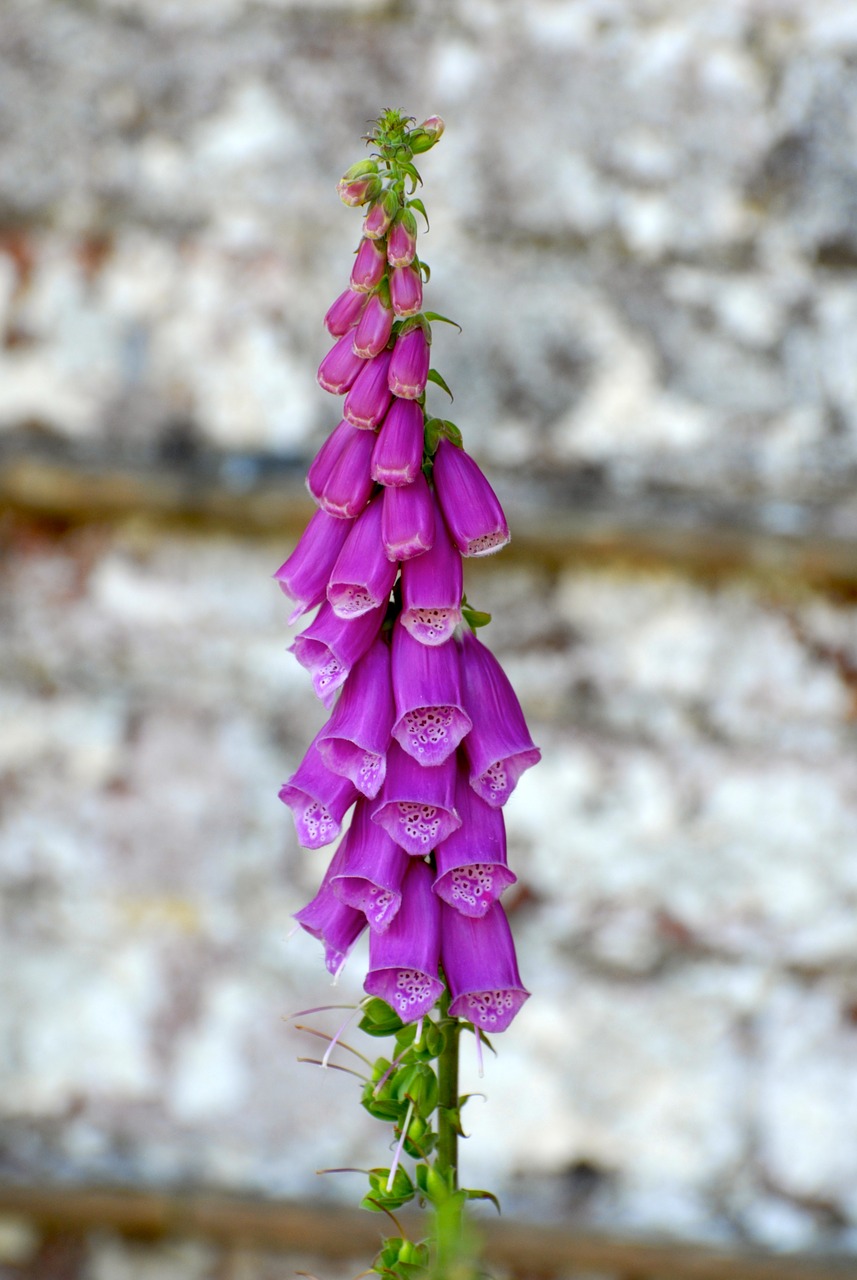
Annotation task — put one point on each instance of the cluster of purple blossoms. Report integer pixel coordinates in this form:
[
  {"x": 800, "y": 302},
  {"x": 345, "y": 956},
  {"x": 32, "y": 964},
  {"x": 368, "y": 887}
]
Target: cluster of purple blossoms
[{"x": 426, "y": 739}]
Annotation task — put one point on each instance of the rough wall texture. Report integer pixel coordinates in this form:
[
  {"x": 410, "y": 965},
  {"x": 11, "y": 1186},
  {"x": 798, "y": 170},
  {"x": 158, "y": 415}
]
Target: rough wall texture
[{"x": 644, "y": 217}]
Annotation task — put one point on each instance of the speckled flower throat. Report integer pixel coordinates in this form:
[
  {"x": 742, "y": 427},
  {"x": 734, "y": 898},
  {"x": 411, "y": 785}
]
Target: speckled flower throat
[{"x": 426, "y": 739}]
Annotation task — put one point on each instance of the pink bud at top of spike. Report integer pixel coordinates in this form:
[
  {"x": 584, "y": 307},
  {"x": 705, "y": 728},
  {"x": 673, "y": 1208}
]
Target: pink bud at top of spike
[
  {"x": 470, "y": 506},
  {"x": 426, "y": 135},
  {"x": 370, "y": 266},
  {"x": 339, "y": 367},
  {"x": 376, "y": 325},
  {"x": 406, "y": 290},
  {"x": 359, "y": 183},
  {"x": 344, "y": 313},
  {"x": 380, "y": 216},
  {"x": 398, "y": 453},
  {"x": 402, "y": 239},
  {"x": 409, "y": 367}
]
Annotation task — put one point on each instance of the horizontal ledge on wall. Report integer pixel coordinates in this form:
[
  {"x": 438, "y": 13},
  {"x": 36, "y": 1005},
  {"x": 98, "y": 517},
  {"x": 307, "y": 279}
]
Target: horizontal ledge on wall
[
  {"x": 334, "y": 1232},
  {"x": 554, "y": 518}
]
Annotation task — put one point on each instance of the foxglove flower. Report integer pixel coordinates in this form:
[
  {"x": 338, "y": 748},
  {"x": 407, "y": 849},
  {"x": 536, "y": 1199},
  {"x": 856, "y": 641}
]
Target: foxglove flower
[
  {"x": 470, "y": 506},
  {"x": 416, "y": 806},
  {"x": 336, "y": 925},
  {"x": 369, "y": 397},
  {"x": 406, "y": 291},
  {"x": 304, "y": 575},
  {"x": 372, "y": 870},
  {"x": 362, "y": 577},
  {"x": 329, "y": 647},
  {"x": 478, "y": 958},
  {"x": 403, "y": 960},
  {"x": 430, "y": 717},
  {"x": 356, "y": 739},
  {"x": 360, "y": 183},
  {"x": 344, "y": 313},
  {"x": 348, "y": 485},
  {"x": 340, "y": 367},
  {"x": 375, "y": 326},
  {"x": 499, "y": 747},
  {"x": 369, "y": 266},
  {"x": 409, "y": 367},
  {"x": 398, "y": 453},
  {"x": 402, "y": 239},
  {"x": 471, "y": 862},
  {"x": 432, "y": 585},
  {"x": 408, "y": 523},
  {"x": 380, "y": 216},
  {"x": 318, "y": 798},
  {"x": 327, "y": 457}
]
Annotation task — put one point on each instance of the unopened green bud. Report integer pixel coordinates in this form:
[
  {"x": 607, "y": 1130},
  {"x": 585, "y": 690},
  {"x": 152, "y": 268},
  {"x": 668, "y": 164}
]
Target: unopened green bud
[{"x": 425, "y": 135}]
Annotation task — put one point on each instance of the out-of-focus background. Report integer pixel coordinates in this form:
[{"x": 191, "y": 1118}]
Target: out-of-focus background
[{"x": 644, "y": 216}]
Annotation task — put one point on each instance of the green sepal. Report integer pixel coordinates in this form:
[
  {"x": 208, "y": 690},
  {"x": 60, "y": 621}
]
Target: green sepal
[
  {"x": 379, "y": 1198},
  {"x": 435, "y": 315},
  {"x": 417, "y": 204},
  {"x": 383, "y": 292},
  {"x": 435, "y": 377},
  {"x": 453, "y": 1116},
  {"x": 406, "y": 1036},
  {"x": 483, "y": 1195},
  {"x": 379, "y": 1019},
  {"x": 419, "y": 1085},
  {"x": 432, "y": 1183},
  {"x": 474, "y": 618},
  {"x": 432, "y": 1043}
]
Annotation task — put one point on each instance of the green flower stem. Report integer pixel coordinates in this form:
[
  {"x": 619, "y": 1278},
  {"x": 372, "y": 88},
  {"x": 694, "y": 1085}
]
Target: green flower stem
[{"x": 447, "y": 1102}]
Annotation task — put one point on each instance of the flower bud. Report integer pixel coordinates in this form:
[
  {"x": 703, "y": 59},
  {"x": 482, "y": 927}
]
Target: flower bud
[
  {"x": 402, "y": 239},
  {"x": 344, "y": 313},
  {"x": 398, "y": 452},
  {"x": 340, "y": 366},
  {"x": 376, "y": 325},
  {"x": 409, "y": 366},
  {"x": 359, "y": 183},
  {"x": 426, "y": 135},
  {"x": 369, "y": 266},
  {"x": 406, "y": 291},
  {"x": 380, "y": 216},
  {"x": 369, "y": 398}
]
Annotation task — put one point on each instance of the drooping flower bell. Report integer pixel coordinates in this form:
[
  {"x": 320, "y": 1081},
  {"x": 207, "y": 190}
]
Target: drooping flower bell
[
  {"x": 360, "y": 183},
  {"x": 409, "y": 367},
  {"x": 369, "y": 267},
  {"x": 499, "y": 747},
  {"x": 348, "y": 484},
  {"x": 430, "y": 716},
  {"x": 408, "y": 522},
  {"x": 375, "y": 325},
  {"x": 402, "y": 239},
  {"x": 369, "y": 396},
  {"x": 344, "y": 313},
  {"x": 361, "y": 577},
  {"x": 470, "y": 506},
  {"x": 432, "y": 586},
  {"x": 398, "y": 453},
  {"x": 304, "y": 575},
  {"x": 330, "y": 646},
  {"x": 356, "y": 740},
  {"x": 318, "y": 798},
  {"x": 481, "y": 968},
  {"x": 371, "y": 870},
  {"x": 335, "y": 924},
  {"x": 416, "y": 806},
  {"x": 472, "y": 871},
  {"x": 403, "y": 960}
]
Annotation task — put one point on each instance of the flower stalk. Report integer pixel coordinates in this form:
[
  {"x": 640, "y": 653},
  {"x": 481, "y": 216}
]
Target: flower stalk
[{"x": 426, "y": 739}]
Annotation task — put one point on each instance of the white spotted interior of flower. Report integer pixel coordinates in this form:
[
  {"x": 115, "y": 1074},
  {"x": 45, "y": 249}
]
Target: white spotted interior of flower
[
  {"x": 421, "y": 822},
  {"x": 412, "y": 987},
  {"x": 370, "y": 767},
  {"x": 486, "y": 542},
  {"x": 328, "y": 674},
  {"x": 376, "y": 903},
  {"x": 431, "y": 624},
  {"x": 487, "y": 1006},
  {"x": 474, "y": 884},
  {"x": 351, "y": 600},
  {"x": 428, "y": 726},
  {"x": 317, "y": 823},
  {"x": 496, "y": 778}
]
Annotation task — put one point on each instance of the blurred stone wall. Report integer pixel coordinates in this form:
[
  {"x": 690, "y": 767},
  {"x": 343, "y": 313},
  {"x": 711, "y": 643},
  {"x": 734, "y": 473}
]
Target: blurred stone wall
[{"x": 644, "y": 215}]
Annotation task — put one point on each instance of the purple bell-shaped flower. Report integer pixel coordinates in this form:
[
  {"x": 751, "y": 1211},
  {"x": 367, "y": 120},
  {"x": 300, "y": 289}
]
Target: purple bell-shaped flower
[
  {"x": 481, "y": 968},
  {"x": 403, "y": 960}
]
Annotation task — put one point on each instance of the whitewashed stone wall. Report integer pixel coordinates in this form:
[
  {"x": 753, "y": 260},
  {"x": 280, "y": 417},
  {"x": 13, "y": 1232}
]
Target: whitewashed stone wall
[{"x": 644, "y": 217}]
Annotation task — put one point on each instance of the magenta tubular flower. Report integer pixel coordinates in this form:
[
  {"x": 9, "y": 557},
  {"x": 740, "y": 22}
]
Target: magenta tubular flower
[
  {"x": 360, "y": 183},
  {"x": 499, "y": 747},
  {"x": 373, "y": 868},
  {"x": 406, "y": 291},
  {"x": 408, "y": 523},
  {"x": 471, "y": 862},
  {"x": 470, "y": 506},
  {"x": 416, "y": 805},
  {"x": 481, "y": 969},
  {"x": 380, "y": 216},
  {"x": 369, "y": 398},
  {"x": 432, "y": 586},
  {"x": 348, "y": 486},
  {"x": 398, "y": 453},
  {"x": 370, "y": 266},
  {"x": 356, "y": 739},
  {"x": 430, "y": 716},
  {"x": 409, "y": 366},
  {"x": 327, "y": 457},
  {"x": 402, "y": 239},
  {"x": 403, "y": 960},
  {"x": 373, "y": 331},
  {"x": 304, "y": 575},
  {"x": 362, "y": 577},
  {"x": 329, "y": 647},
  {"x": 336, "y": 925},
  {"x": 344, "y": 313},
  {"x": 318, "y": 799},
  {"x": 340, "y": 367}
]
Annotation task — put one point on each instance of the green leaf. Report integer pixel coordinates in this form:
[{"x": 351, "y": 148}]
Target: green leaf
[
  {"x": 426, "y": 271},
  {"x": 474, "y": 617},
  {"x": 420, "y": 207},
  {"x": 379, "y": 1019},
  {"x": 435, "y": 315},
  {"x": 483, "y": 1195},
  {"x": 434, "y": 376}
]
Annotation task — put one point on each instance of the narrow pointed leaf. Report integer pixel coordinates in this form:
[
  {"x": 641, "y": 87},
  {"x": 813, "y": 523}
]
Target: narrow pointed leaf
[{"x": 435, "y": 377}]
